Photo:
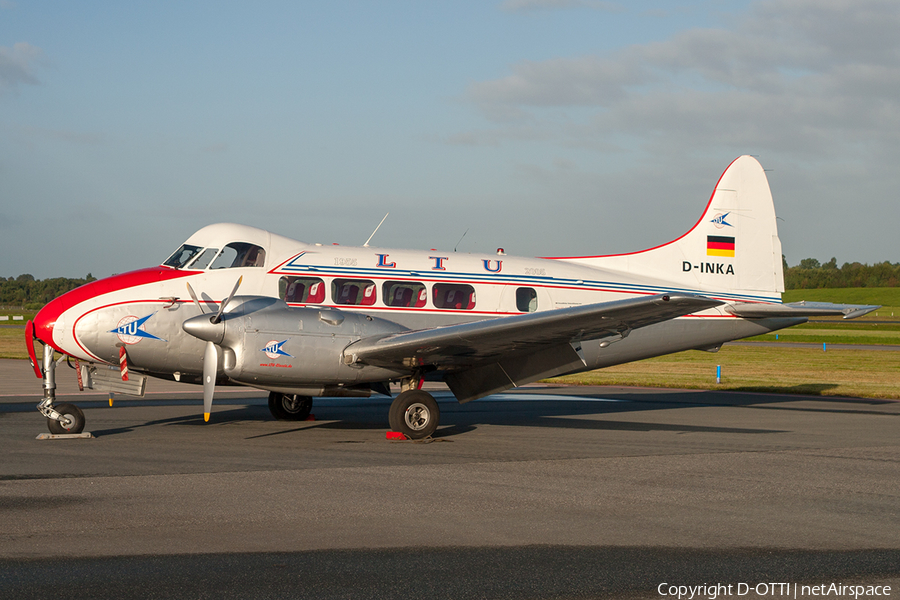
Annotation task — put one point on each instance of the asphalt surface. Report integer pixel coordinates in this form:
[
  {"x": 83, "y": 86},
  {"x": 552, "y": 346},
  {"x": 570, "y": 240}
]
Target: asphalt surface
[{"x": 541, "y": 493}]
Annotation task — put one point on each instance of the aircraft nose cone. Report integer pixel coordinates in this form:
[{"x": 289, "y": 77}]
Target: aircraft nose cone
[
  {"x": 202, "y": 327},
  {"x": 44, "y": 321}
]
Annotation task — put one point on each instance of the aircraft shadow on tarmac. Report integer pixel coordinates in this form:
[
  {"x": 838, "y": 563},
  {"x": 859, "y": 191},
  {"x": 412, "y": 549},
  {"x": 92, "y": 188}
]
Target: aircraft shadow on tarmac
[{"x": 547, "y": 409}]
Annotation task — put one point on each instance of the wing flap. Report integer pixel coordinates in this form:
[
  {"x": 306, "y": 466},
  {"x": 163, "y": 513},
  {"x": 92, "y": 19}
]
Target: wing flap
[{"x": 513, "y": 371}]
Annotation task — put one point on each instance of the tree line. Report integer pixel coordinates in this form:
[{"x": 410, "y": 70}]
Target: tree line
[
  {"x": 810, "y": 274},
  {"x": 27, "y": 292}
]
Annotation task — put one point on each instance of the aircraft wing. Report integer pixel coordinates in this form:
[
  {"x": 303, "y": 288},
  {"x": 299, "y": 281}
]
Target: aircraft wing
[
  {"x": 799, "y": 309},
  {"x": 485, "y": 357}
]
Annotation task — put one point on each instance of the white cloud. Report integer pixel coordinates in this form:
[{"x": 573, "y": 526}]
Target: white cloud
[
  {"x": 804, "y": 76},
  {"x": 17, "y": 65},
  {"x": 584, "y": 81}
]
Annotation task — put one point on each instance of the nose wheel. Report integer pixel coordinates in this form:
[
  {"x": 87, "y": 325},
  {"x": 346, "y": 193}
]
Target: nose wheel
[
  {"x": 415, "y": 414},
  {"x": 72, "y": 420}
]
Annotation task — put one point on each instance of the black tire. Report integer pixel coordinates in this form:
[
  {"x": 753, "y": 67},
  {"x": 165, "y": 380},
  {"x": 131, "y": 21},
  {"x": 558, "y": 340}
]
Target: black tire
[
  {"x": 415, "y": 414},
  {"x": 289, "y": 407},
  {"x": 71, "y": 412}
]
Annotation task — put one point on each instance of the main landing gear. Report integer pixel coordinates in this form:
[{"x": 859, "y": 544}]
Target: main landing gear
[
  {"x": 415, "y": 414},
  {"x": 63, "y": 418},
  {"x": 289, "y": 407}
]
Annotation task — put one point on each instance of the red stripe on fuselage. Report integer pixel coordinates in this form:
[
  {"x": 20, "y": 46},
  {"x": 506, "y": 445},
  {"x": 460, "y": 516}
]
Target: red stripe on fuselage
[{"x": 46, "y": 318}]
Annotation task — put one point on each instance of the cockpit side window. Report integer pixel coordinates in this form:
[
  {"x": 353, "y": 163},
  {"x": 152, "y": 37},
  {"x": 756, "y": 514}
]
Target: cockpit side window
[
  {"x": 240, "y": 254},
  {"x": 202, "y": 261},
  {"x": 182, "y": 256}
]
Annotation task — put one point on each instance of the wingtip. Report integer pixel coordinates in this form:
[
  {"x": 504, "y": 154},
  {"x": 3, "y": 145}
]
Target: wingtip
[{"x": 206, "y": 417}]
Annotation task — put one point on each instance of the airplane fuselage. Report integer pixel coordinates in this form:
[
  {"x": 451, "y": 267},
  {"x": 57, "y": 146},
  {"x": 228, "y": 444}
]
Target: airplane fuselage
[{"x": 144, "y": 310}]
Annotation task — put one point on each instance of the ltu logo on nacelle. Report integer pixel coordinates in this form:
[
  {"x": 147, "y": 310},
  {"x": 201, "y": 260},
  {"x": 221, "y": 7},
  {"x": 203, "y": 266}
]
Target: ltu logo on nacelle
[
  {"x": 273, "y": 349},
  {"x": 130, "y": 330}
]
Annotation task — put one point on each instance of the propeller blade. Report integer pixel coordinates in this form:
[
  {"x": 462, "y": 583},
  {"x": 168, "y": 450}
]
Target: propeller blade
[
  {"x": 210, "y": 364},
  {"x": 225, "y": 302},
  {"x": 194, "y": 296}
]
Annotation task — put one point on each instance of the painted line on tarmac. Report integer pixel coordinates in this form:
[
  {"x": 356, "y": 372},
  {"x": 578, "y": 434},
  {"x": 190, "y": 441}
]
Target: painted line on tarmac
[{"x": 533, "y": 398}]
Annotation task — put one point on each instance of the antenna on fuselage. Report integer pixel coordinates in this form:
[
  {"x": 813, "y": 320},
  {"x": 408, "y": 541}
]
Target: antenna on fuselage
[
  {"x": 460, "y": 239},
  {"x": 366, "y": 245}
]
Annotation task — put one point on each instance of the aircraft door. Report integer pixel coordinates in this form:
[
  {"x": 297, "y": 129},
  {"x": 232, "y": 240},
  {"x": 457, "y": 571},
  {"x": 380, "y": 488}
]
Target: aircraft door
[{"x": 524, "y": 299}]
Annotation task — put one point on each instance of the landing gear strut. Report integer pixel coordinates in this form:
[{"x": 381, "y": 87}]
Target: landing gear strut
[
  {"x": 65, "y": 418},
  {"x": 415, "y": 414},
  {"x": 289, "y": 407}
]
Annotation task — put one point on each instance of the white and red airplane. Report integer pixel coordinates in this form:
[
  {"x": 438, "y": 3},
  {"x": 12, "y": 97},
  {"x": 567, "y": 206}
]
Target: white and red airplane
[{"x": 316, "y": 320}]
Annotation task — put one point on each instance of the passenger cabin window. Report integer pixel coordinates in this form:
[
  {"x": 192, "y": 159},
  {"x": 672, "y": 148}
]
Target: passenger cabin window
[
  {"x": 182, "y": 256},
  {"x": 353, "y": 292},
  {"x": 301, "y": 290},
  {"x": 240, "y": 254},
  {"x": 526, "y": 300},
  {"x": 410, "y": 294},
  {"x": 454, "y": 296}
]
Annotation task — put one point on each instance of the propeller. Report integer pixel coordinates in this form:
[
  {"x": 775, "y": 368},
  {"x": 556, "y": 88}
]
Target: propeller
[
  {"x": 210, "y": 363},
  {"x": 225, "y": 302},
  {"x": 211, "y": 353},
  {"x": 194, "y": 296}
]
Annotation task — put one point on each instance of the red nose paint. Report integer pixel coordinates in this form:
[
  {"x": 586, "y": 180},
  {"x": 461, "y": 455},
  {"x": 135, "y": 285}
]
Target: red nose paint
[{"x": 46, "y": 318}]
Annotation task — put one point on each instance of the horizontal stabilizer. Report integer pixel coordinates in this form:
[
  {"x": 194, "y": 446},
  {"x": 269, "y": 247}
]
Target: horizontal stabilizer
[{"x": 799, "y": 309}]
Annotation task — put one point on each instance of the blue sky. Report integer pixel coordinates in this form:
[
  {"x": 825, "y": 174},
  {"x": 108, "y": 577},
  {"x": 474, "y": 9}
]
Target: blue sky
[{"x": 548, "y": 127}]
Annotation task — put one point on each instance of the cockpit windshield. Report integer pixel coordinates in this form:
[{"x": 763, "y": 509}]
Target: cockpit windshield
[
  {"x": 235, "y": 254},
  {"x": 182, "y": 256}
]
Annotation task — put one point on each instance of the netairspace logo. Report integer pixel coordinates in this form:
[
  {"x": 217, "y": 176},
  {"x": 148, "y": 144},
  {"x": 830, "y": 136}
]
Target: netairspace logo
[{"x": 774, "y": 590}]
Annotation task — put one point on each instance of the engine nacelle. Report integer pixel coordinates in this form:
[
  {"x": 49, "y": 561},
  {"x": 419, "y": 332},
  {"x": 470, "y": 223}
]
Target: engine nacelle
[{"x": 272, "y": 345}]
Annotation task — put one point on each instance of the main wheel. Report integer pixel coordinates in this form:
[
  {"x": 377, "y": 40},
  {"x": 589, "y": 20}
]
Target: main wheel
[
  {"x": 415, "y": 414},
  {"x": 73, "y": 414},
  {"x": 289, "y": 407}
]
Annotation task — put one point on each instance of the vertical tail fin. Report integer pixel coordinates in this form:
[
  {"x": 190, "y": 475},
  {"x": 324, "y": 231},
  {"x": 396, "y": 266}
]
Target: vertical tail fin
[{"x": 732, "y": 250}]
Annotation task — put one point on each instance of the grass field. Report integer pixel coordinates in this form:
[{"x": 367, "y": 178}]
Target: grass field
[
  {"x": 854, "y": 331},
  {"x": 883, "y": 296},
  {"x": 792, "y": 370},
  {"x": 12, "y": 342}
]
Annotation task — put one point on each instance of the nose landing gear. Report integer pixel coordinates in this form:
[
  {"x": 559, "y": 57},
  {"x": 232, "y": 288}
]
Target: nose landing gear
[{"x": 64, "y": 418}]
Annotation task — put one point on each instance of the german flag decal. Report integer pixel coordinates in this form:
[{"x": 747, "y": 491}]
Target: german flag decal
[{"x": 719, "y": 245}]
